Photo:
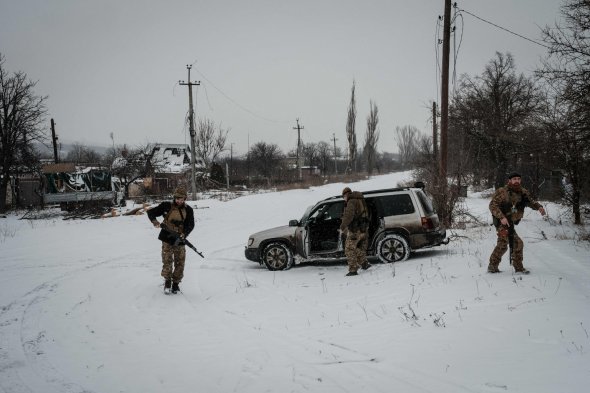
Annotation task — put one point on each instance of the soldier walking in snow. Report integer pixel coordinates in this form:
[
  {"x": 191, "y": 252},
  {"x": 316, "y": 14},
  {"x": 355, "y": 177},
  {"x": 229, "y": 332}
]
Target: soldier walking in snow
[
  {"x": 179, "y": 221},
  {"x": 355, "y": 224},
  {"x": 507, "y": 207}
]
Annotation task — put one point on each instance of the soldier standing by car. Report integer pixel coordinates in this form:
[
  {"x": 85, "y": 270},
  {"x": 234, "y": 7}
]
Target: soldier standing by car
[
  {"x": 355, "y": 224},
  {"x": 179, "y": 221},
  {"x": 507, "y": 208}
]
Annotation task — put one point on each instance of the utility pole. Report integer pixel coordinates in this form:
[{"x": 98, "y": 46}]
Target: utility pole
[
  {"x": 298, "y": 128},
  {"x": 248, "y": 160},
  {"x": 191, "y": 116},
  {"x": 54, "y": 139},
  {"x": 434, "y": 133},
  {"x": 335, "y": 165},
  {"x": 444, "y": 100},
  {"x": 231, "y": 157}
]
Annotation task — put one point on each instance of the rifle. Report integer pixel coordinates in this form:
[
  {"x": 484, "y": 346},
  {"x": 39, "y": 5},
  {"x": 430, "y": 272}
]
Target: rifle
[
  {"x": 511, "y": 239},
  {"x": 180, "y": 240}
]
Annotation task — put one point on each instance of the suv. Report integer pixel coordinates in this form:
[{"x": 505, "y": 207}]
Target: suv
[{"x": 401, "y": 220}]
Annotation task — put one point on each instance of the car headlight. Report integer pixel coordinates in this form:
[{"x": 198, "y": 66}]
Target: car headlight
[{"x": 250, "y": 241}]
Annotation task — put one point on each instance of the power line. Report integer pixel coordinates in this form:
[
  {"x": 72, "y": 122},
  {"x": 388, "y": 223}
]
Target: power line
[
  {"x": 503, "y": 28},
  {"x": 456, "y": 47},
  {"x": 236, "y": 103}
]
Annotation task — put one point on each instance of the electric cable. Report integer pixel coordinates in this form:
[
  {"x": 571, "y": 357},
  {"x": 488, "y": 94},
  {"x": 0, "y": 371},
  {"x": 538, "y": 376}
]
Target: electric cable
[
  {"x": 238, "y": 104},
  {"x": 503, "y": 28}
]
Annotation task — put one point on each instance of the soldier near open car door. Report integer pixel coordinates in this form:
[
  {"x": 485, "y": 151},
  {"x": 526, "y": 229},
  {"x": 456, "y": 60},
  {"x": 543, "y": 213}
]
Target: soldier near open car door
[
  {"x": 507, "y": 208},
  {"x": 355, "y": 224}
]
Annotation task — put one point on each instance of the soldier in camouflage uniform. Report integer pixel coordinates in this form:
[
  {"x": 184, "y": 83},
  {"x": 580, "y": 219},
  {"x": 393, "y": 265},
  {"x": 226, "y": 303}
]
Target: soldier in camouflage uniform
[
  {"x": 178, "y": 217},
  {"x": 507, "y": 207},
  {"x": 355, "y": 224}
]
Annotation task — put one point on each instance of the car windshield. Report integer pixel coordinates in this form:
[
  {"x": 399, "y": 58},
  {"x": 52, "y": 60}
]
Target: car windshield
[
  {"x": 328, "y": 211},
  {"x": 306, "y": 214}
]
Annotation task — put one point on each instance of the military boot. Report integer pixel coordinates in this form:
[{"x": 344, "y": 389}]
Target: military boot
[
  {"x": 175, "y": 287},
  {"x": 523, "y": 271}
]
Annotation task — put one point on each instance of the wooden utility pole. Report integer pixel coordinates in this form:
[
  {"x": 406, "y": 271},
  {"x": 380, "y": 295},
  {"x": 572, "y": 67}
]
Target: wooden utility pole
[
  {"x": 193, "y": 134},
  {"x": 335, "y": 165},
  {"x": 54, "y": 140},
  {"x": 434, "y": 133},
  {"x": 231, "y": 158},
  {"x": 444, "y": 99},
  {"x": 298, "y": 128}
]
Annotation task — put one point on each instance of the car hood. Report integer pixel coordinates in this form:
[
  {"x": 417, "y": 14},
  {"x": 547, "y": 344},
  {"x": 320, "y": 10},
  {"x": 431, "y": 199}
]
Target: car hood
[{"x": 284, "y": 231}]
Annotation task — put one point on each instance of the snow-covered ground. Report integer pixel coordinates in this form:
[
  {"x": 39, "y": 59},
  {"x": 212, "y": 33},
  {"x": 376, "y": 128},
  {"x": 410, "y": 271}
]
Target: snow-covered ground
[{"x": 82, "y": 309}]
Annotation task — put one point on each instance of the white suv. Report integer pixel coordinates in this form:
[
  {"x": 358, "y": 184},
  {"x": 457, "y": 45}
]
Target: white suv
[{"x": 402, "y": 220}]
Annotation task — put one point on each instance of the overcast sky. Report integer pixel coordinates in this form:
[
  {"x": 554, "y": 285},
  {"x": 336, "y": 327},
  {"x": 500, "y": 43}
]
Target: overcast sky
[{"x": 114, "y": 66}]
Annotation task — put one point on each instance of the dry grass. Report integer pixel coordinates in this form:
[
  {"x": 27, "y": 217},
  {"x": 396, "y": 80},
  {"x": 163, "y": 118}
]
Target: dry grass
[{"x": 319, "y": 181}]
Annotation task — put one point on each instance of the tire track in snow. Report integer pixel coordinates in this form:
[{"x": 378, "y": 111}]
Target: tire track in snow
[{"x": 24, "y": 366}]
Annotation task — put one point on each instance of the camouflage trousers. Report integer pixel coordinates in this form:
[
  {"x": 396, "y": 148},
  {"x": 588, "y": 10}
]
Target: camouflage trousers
[
  {"x": 501, "y": 247},
  {"x": 173, "y": 262},
  {"x": 355, "y": 249}
]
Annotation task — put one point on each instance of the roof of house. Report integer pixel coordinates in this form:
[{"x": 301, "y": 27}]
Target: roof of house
[{"x": 173, "y": 158}]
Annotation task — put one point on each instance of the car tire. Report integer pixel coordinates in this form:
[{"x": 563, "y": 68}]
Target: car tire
[
  {"x": 277, "y": 256},
  {"x": 393, "y": 248}
]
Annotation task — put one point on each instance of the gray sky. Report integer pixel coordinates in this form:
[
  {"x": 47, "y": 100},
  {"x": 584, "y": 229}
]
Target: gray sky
[{"x": 114, "y": 66}]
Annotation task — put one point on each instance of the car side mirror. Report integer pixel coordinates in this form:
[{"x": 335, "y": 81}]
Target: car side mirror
[{"x": 293, "y": 223}]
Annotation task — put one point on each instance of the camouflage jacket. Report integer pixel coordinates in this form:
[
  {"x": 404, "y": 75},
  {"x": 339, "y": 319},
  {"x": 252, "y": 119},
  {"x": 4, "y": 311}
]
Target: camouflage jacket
[
  {"x": 510, "y": 202},
  {"x": 356, "y": 215}
]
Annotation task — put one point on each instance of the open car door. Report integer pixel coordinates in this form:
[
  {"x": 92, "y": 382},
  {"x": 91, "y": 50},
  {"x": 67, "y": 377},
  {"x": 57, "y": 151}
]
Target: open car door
[{"x": 322, "y": 229}]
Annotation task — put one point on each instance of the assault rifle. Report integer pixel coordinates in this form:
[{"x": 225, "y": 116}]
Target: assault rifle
[
  {"x": 179, "y": 239},
  {"x": 511, "y": 238}
]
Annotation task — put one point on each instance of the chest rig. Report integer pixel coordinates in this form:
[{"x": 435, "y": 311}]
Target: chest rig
[{"x": 174, "y": 219}]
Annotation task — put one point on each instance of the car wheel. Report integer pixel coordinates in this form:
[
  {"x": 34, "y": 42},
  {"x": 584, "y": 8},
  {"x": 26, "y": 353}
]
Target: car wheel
[
  {"x": 393, "y": 248},
  {"x": 277, "y": 256}
]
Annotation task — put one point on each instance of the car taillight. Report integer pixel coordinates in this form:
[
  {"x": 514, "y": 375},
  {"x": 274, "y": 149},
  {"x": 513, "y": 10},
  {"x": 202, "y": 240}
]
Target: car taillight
[{"x": 427, "y": 223}]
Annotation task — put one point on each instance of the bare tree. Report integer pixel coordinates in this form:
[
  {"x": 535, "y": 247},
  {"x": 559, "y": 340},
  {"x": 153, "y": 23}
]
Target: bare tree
[
  {"x": 568, "y": 62},
  {"x": 133, "y": 164},
  {"x": 497, "y": 110},
  {"x": 325, "y": 152},
  {"x": 82, "y": 154},
  {"x": 350, "y": 132},
  {"x": 309, "y": 151},
  {"x": 407, "y": 143},
  {"x": 571, "y": 151},
  {"x": 21, "y": 117},
  {"x": 211, "y": 141},
  {"x": 567, "y": 71},
  {"x": 265, "y": 157},
  {"x": 372, "y": 136}
]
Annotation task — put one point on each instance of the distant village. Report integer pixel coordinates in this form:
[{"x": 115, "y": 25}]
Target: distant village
[{"x": 150, "y": 173}]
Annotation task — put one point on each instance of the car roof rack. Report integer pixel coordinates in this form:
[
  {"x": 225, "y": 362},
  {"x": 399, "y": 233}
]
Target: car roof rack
[{"x": 374, "y": 192}]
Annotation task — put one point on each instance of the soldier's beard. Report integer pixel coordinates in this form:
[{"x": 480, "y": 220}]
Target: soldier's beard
[{"x": 514, "y": 187}]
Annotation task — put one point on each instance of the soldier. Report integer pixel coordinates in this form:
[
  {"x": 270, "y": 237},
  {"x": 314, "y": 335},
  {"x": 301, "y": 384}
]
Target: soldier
[
  {"x": 507, "y": 207},
  {"x": 355, "y": 224},
  {"x": 178, "y": 218}
]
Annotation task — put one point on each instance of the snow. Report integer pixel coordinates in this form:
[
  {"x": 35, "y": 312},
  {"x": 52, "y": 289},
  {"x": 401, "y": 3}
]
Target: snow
[{"x": 82, "y": 309}]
